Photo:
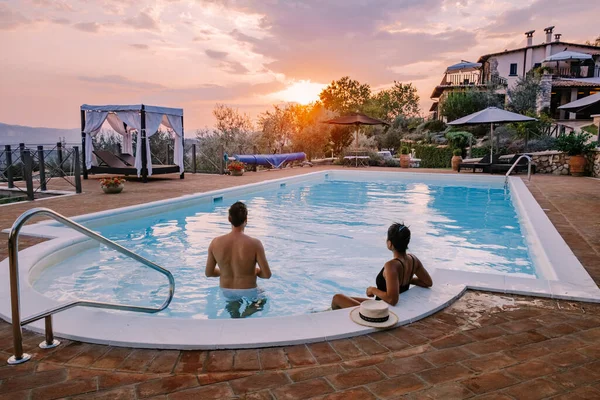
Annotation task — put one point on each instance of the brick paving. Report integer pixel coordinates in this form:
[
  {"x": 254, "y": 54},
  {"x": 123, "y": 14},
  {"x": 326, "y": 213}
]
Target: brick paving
[{"x": 485, "y": 346}]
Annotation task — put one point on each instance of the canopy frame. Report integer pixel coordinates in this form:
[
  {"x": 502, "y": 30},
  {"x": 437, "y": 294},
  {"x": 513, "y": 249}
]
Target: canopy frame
[{"x": 144, "y": 172}]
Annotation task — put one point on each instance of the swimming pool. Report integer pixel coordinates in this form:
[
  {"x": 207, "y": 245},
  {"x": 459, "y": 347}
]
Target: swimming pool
[
  {"x": 323, "y": 232},
  {"x": 321, "y": 236}
]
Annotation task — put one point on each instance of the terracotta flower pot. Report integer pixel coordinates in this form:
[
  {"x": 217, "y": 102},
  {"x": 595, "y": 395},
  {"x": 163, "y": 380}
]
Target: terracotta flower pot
[
  {"x": 237, "y": 173},
  {"x": 456, "y": 160},
  {"x": 113, "y": 189},
  {"x": 404, "y": 160},
  {"x": 577, "y": 165}
]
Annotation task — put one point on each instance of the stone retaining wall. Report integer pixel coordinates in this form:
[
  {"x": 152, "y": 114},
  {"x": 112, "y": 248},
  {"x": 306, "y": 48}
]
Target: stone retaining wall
[
  {"x": 551, "y": 162},
  {"x": 557, "y": 163},
  {"x": 594, "y": 164}
]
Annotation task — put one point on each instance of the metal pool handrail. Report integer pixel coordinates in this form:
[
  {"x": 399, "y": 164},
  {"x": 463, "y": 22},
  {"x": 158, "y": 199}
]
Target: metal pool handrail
[
  {"x": 515, "y": 164},
  {"x": 13, "y": 256}
]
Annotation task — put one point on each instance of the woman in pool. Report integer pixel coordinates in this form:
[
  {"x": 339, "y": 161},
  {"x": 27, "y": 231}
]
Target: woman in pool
[{"x": 396, "y": 276}]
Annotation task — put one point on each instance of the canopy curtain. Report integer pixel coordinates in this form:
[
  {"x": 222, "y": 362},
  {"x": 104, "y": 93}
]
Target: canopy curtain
[
  {"x": 93, "y": 123},
  {"x": 153, "y": 121},
  {"x": 118, "y": 127},
  {"x": 174, "y": 122}
]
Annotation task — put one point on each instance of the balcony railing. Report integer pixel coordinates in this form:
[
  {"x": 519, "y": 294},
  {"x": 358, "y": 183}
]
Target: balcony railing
[
  {"x": 495, "y": 80},
  {"x": 461, "y": 79},
  {"x": 472, "y": 79},
  {"x": 575, "y": 71}
]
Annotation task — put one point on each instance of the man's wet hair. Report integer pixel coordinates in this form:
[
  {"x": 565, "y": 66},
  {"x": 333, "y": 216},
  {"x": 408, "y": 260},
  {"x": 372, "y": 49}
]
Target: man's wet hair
[
  {"x": 238, "y": 214},
  {"x": 399, "y": 235}
]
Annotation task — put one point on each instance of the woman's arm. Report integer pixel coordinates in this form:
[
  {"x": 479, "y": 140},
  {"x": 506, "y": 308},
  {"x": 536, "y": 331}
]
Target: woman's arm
[
  {"x": 422, "y": 276},
  {"x": 393, "y": 286}
]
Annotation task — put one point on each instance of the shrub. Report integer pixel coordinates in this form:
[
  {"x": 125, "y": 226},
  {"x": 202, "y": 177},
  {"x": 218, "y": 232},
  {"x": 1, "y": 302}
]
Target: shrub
[
  {"x": 375, "y": 159},
  {"x": 478, "y": 152},
  {"x": 404, "y": 150},
  {"x": 459, "y": 104},
  {"x": 457, "y": 152},
  {"x": 575, "y": 144},
  {"x": 540, "y": 144},
  {"x": 434, "y": 156},
  {"x": 593, "y": 129},
  {"x": 434, "y": 125},
  {"x": 459, "y": 140},
  {"x": 391, "y": 163}
]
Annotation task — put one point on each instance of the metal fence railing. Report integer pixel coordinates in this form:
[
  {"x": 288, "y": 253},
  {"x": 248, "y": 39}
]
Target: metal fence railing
[
  {"x": 195, "y": 159},
  {"x": 29, "y": 168}
]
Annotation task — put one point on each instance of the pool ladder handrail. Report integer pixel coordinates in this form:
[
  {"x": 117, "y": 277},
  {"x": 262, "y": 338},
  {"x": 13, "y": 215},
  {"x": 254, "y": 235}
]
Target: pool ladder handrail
[
  {"x": 13, "y": 256},
  {"x": 529, "y": 161}
]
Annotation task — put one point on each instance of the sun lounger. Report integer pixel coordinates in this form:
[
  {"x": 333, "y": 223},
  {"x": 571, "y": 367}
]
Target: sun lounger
[
  {"x": 108, "y": 163},
  {"x": 484, "y": 164},
  {"x": 502, "y": 168},
  {"x": 127, "y": 159}
]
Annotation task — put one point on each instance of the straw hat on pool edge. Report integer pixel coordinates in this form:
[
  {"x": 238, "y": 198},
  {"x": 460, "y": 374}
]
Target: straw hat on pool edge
[{"x": 374, "y": 314}]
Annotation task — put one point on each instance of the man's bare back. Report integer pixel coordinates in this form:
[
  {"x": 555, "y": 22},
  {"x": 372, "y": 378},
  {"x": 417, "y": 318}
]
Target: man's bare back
[{"x": 233, "y": 257}]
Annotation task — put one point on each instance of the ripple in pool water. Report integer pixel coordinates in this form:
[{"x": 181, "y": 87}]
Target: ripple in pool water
[{"x": 321, "y": 238}]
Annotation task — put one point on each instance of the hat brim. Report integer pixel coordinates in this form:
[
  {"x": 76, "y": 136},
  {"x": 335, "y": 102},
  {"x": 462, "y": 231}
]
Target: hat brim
[{"x": 392, "y": 320}]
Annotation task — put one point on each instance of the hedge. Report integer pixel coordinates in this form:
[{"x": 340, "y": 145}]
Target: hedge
[
  {"x": 433, "y": 156},
  {"x": 479, "y": 152}
]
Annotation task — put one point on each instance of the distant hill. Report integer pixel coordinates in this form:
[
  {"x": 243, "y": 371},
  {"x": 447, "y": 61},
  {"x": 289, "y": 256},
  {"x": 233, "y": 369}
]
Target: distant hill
[{"x": 15, "y": 134}]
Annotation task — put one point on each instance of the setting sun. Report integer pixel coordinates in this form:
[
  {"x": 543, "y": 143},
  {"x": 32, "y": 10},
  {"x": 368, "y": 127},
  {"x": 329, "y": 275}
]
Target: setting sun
[{"x": 303, "y": 92}]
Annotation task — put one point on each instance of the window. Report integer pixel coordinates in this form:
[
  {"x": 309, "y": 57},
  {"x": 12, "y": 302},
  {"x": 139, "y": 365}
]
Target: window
[
  {"x": 537, "y": 65},
  {"x": 513, "y": 69}
]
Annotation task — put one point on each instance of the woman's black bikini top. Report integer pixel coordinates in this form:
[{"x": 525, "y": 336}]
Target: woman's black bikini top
[{"x": 382, "y": 285}]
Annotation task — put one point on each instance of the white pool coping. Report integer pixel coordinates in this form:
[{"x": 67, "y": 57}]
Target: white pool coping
[{"x": 561, "y": 277}]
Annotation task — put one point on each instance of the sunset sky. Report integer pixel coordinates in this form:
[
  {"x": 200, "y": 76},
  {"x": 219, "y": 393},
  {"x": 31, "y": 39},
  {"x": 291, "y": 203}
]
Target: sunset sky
[{"x": 58, "y": 54}]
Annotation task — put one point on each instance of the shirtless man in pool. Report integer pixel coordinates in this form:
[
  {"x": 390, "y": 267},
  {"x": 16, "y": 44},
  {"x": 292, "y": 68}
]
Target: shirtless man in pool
[{"x": 233, "y": 257}]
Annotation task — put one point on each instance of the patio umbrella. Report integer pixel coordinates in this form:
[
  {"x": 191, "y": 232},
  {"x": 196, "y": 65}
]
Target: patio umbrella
[
  {"x": 355, "y": 119},
  {"x": 464, "y": 66},
  {"x": 590, "y": 103},
  {"x": 491, "y": 115},
  {"x": 568, "y": 55}
]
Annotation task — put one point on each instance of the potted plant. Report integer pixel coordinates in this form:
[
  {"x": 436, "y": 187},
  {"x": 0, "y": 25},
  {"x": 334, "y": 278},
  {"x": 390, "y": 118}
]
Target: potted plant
[
  {"x": 456, "y": 159},
  {"x": 576, "y": 145},
  {"x": 404, "y": 157},
  {"x": 112, "y": 185},
  {"x": 236, "y": 168}
]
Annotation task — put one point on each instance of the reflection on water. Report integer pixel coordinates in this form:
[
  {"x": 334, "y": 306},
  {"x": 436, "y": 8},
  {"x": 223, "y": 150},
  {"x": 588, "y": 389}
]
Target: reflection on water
[
  {"x": 320, "y": 238},
  {"x": 243, "y": 307}
]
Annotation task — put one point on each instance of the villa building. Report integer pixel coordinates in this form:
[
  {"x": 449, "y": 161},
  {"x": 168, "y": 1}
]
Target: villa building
[{"x": 571, "y": 71}]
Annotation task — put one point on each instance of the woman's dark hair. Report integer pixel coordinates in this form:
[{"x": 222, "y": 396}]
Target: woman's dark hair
[
  {"x": 238, "y": 213},
  {"x": 399, "y": 235}
]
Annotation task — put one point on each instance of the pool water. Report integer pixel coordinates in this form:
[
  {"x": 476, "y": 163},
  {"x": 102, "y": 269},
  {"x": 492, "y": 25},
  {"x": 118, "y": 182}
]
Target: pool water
[{"x": 321, "y": 237}]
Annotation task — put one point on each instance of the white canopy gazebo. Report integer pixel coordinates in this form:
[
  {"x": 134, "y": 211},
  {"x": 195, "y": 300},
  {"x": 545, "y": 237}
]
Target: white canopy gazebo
[{"x": 127, "y": 120}]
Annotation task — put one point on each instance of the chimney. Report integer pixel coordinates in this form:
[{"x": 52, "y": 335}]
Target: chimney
[
  {"x": 557, "y": 37},
  {"x": 548, "y": 31},
  {"x": 529, "y": 38}
]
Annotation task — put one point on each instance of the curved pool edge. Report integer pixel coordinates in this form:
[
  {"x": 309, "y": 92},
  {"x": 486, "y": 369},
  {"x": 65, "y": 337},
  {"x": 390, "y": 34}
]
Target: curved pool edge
[
  {"x": 127, "y": 329},
  {"x": 143, "y": 331}
]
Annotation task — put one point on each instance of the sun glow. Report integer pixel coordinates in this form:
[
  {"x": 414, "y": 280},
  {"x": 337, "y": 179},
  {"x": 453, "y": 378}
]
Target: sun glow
[{"x": 303, "y": 92}]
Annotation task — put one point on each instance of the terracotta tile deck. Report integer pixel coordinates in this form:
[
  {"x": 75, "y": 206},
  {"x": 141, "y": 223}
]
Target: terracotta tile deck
[{"x": 483, "y": 347}]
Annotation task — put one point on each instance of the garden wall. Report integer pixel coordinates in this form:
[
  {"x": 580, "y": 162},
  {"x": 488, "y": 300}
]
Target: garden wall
[{"x": 557, "y": 163}]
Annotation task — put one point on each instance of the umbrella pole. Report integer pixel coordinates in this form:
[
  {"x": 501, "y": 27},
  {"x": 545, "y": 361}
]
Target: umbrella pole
[
  {"x": 356, "y": 147},
  {"x": 491, "y": 142}
]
